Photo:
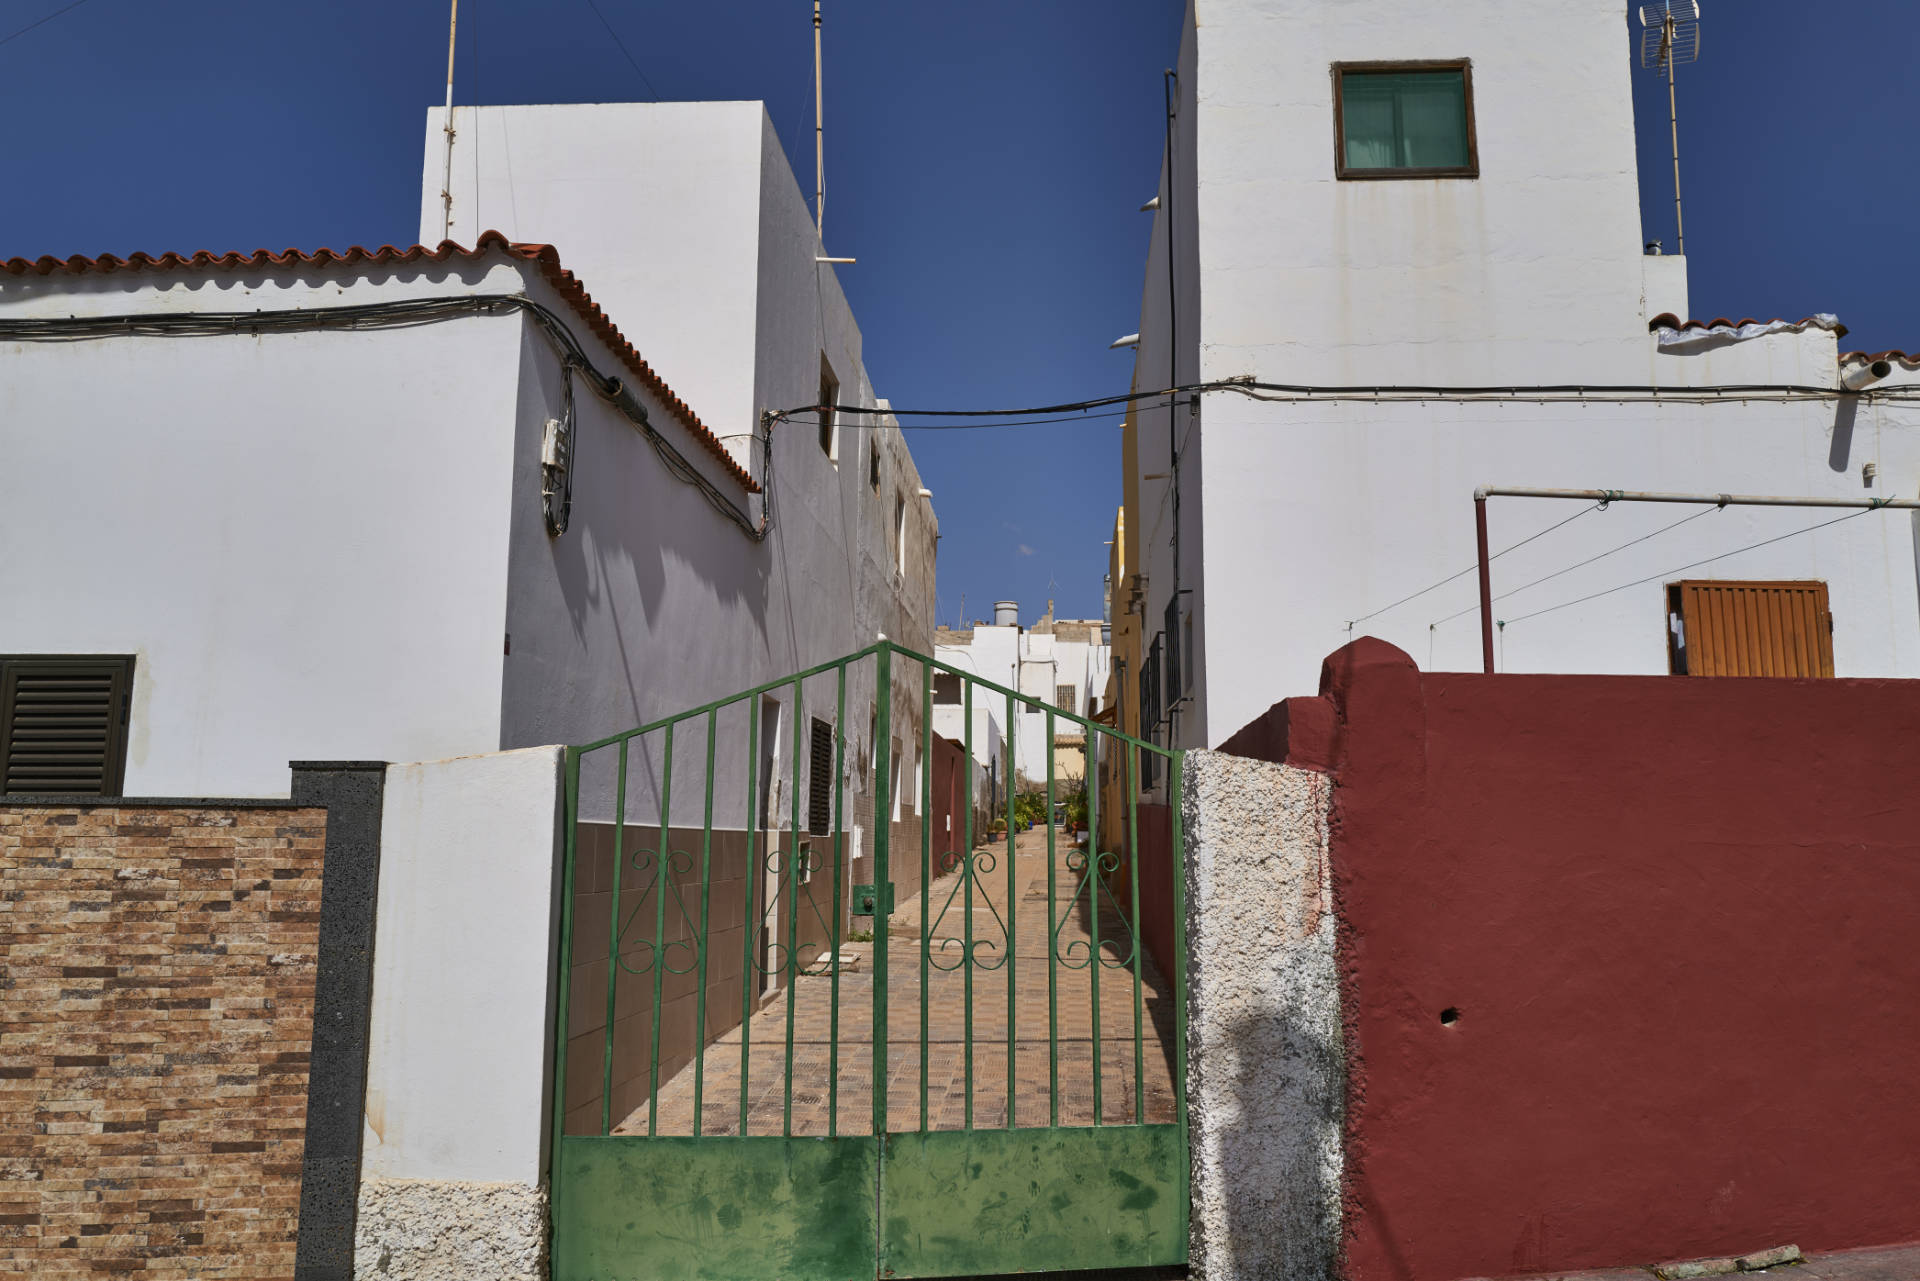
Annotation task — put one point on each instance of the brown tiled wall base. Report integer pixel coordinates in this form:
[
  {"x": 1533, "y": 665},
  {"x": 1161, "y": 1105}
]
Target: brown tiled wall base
[{"x": 156, "y": 1013}]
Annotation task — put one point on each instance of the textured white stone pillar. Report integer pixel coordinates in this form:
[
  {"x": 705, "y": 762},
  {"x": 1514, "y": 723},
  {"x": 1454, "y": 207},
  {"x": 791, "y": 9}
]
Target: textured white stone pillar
[{"x": 1266, "y": 1076}]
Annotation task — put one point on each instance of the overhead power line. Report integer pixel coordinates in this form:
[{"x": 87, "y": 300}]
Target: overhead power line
[
  {"x": 1301, "y": 393},
  {"x": 43, "y": 22},
  {"x": 623, "y": 49}
]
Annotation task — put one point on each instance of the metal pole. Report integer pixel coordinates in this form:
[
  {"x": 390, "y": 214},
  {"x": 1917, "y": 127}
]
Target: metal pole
[
  {"x": 1673, "y": 119},
  {"x": 819, "y": 136},
  {"x": 1714, "y": 500},
  {"x": 1486, "y": 581},
  {"x": 446, "y": 177}
]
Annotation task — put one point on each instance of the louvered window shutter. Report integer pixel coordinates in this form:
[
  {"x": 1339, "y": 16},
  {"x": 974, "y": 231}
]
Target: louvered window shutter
[
  {"x": 820, "y": 781},
  {"x": 63, "y": 724},
  {"x": 1740, "y": 628}
]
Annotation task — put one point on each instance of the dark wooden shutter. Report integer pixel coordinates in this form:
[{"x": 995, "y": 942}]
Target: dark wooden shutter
[
  {"x": 1735, "y": 628},
  {"x": 820, "y": 780},
  {"x": 63, "y": 724}
]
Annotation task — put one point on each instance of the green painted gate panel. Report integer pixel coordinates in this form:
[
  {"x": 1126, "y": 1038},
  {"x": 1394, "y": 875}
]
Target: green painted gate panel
[
  {"x": 987, "y": 1202},
  {"x": 714, "y": 1209}
]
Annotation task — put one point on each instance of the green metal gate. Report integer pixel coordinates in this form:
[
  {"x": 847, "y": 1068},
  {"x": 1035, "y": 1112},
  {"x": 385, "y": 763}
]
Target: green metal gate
[{"x": 835, "y": 1025}]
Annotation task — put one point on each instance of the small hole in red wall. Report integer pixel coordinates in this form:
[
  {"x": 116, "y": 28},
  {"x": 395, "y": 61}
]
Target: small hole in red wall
[{"x": 1450, "y": 1016}]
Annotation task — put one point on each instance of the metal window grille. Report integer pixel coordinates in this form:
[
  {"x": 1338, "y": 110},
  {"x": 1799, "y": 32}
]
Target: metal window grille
[
  {"x": 1063, "y": 698},
  {"x": 63, "y": 724}
]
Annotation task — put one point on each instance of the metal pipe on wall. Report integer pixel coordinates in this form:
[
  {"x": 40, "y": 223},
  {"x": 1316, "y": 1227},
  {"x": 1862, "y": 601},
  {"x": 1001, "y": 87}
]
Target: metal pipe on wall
[{"x": 1608, "y": 496}]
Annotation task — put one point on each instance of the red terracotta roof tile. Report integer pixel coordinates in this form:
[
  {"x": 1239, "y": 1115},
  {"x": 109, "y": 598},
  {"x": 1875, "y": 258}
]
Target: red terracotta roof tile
[
  {"x": 1667, "y": 320},
  {"x": 1869, "y": 357},
  {"x": 545, "y": 256}
]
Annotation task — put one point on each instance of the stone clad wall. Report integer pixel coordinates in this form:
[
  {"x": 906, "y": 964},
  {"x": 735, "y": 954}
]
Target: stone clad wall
[{"x": 156, "y": 1018}]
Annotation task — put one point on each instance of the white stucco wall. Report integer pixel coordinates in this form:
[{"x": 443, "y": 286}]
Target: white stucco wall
[
  {"x": 458, "y": 1085},
  {"x": 685, "y": 223},
  {"x": 467, "y": 923},
  {"x": 655, "y": 207},
  {"x": 301, "y": 538},
  {"x": 1317, "y": 515}
]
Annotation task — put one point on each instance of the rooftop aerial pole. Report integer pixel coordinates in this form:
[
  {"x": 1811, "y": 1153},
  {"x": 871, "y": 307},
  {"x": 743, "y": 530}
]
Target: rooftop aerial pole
[
  {"x": 1672, "y": 37},
  {"x": 446, "y": 175},
  {"x": 819, "y": 136}
]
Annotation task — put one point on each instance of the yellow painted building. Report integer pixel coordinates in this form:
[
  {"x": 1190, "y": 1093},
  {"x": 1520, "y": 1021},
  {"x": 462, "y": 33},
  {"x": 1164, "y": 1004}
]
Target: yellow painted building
[{"x": 1121, "y": 705}]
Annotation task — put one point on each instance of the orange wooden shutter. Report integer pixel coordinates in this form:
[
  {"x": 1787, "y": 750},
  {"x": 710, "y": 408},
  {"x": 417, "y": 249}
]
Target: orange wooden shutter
[{"x": 1757, "y": 629}]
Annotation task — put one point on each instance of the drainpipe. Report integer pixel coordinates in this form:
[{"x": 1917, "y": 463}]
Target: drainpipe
[{"x": 1486, "y": 581}]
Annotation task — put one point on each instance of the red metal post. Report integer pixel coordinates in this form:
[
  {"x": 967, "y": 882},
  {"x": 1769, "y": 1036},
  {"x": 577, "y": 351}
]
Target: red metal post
[{"x": 1486, "y": 587}]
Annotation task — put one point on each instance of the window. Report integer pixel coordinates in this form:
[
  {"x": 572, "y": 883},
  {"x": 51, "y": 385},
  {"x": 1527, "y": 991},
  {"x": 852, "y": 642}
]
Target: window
[
  {"x": 1718, "y": 627},
  {"x": 829, "y": 422},
  {"x": 902, "y": 770},
  {"x": 873, "y": 461},
  {"x": 900, "y": 534},
  {"x": 63, "y": 724},
  {"x": 820, "y": 780},
  {"x": 946, "y": 689},
  {"x": 1063, "y": 698},
  {"x": 1404, "y": 120}
]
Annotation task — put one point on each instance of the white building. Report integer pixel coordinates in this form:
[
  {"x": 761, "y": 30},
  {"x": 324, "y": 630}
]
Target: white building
[
  {"x": 300, "y": 532},
  {"x": 1060, "y": 662},
  {"x": 1310, "y": 255}
]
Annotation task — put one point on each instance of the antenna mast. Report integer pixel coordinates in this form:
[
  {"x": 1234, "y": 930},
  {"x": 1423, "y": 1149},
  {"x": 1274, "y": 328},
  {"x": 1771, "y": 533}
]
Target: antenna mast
[
  {"x": 446, "y": 175},
  {"x": 819, "y": 133},
  {"x": 1672, "y": 36}
]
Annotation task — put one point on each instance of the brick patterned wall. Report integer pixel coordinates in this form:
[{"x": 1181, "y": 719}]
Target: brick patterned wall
[{"x": 156, "y": 1016}]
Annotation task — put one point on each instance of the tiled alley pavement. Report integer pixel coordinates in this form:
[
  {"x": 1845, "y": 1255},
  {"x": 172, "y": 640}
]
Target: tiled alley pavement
[{"x": 1132, "y": 1075}]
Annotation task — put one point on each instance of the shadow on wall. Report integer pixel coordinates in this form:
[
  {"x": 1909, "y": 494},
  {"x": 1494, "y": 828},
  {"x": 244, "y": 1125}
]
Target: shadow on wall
[{"x": 1275, "y": 1143}]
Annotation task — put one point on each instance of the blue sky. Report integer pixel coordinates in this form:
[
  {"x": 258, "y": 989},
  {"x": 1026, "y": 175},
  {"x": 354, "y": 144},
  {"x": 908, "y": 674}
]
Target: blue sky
[{"x": 986, "y": 162}]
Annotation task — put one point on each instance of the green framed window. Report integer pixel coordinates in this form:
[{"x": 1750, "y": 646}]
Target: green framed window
[{"x": 1404, "y": 120}]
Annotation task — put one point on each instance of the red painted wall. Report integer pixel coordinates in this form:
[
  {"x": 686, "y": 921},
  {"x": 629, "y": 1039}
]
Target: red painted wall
[{"x": 1679, "y": 919}]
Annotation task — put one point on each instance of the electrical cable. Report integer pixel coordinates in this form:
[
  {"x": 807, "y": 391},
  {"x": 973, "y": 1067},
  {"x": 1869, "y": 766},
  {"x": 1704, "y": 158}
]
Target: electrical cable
[
  {"x": 1474, "y": 609},
  {"x": 1469, "y": 569},
  {"x": 623, "y": 49},
  {"x": 1766, "y": 542},
  {"x": 404, "y": 313},
  {"x": 1293, "y": 393},
  {"x": 43, "y": 22}
]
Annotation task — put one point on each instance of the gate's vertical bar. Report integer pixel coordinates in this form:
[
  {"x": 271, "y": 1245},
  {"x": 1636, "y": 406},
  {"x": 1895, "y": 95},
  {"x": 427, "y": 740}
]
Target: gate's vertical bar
[
  {"x": 747, "y": 912},
  {"x": 926, "y": 863},
  {"x": 1176, "y": 768},
  {"x": 789, "y": 882},
  {"x": 1053, "y": 981},
  {"x": 966, "y": 911},
  {"x": 1013, "y": 906},
  {"x": 881, "y": 879},
  {"x": 1139, "y": 942},
  {"x": 833, "y": 925},
  {"x": 700, "y": 952},
  {"x": 1093, "y": 817},
  {"x": 562, "y": 999},
  {"x": 663, "y": 886},
  {"x": 1092, "y": 869},
  {"x": 613, "y": 937}
]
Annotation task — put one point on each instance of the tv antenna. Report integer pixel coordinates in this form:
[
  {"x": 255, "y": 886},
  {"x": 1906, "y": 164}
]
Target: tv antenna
[{"x": 1671, "y": 37}]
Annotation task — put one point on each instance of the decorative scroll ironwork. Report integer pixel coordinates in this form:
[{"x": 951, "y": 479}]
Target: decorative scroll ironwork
[{"x": 678, "y": 863}]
